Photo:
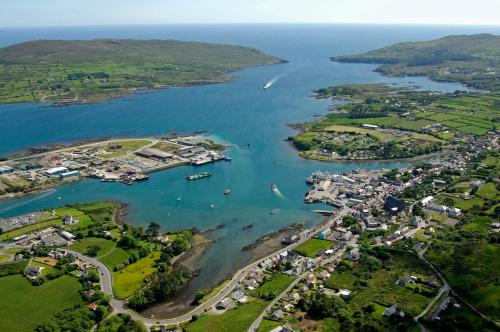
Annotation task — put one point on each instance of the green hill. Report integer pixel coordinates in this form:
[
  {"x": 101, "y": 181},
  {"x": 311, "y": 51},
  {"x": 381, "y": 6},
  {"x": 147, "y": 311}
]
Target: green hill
[
  {"x": 100, "y": 69},
  {"x": 471, "y": 59}
]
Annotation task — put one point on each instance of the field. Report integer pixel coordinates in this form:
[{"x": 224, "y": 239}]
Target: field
[
  {"x": 345, "y": 129},
  {"x": 464, "y": 204},
  {"x": 487, "y": 191},
  {"x": 23, "y": 306},
  {"x": 236, "y": 320},
  {"x": 273, "y": 287},
  {"x": 311, "y": 247},
  {"x": 121, "y": 148},
  {"x": 130, "y": 279},
  {"x": 381, "y": 287},
  {"x": 105, "y": 245}
]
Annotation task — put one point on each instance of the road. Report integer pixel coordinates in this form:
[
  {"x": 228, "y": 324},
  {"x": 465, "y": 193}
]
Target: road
[
  {"x": 421, "y": 254},
  {"x": 106, "y": 283}
]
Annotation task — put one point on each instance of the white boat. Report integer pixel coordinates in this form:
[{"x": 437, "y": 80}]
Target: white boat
[{"x": 267, "y": 85}]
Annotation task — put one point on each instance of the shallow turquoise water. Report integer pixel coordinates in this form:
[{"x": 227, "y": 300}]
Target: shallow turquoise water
[{"x": 239, "y": 113}]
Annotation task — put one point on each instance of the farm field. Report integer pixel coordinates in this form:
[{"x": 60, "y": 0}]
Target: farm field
[
  {"x": 23, "y": 306},
  {"x": 273, "y": 287},
  {"x": 130, "y": 279}
]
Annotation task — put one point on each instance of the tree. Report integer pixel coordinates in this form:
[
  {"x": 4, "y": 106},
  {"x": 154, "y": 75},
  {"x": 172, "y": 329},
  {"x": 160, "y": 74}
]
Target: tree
[
  {"x": 93, "y": 250},
  {"x": 153, "y": 229}
]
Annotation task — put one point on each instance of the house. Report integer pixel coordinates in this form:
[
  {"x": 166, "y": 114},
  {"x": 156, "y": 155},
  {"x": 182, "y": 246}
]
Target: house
[
  {"x": 393, "y": 310},
  {"x": 56, "y": 171},
  {"x": 68, "y": 236},
  {"x": 295, "y": 297},
  {"x": 277, "y": 315},
  {"x": 324, "y": 275},
  {"x": 438, "y": 182},
  {"x": 369, "y": 126},
  {"x": 415, "y": 221},
  {"x": 436, "y": 207},
  {"x": 68, "y": 220},
  {"x": 371, "y": 222},
  {"x": 250, "y": 283},
  {"x": 393, "y": 205},
  {"x": 344, "y": 292},
  {"x": 6, "y": 170},
  {"x": 151, "y": 153},
  {"x": 427, "y": 200},
  {"x": 347, "y": 236},
  {"x": 68, "y": 175},
  {"x": 92, "y": 306},
  {"x": 225, "y": 304},
  {"x": 33, "y": 272},
  {"x": 284, "y": 328},
  {"x": 239, "y": 297},
  {"x": 454, "y": 212},
  {"x": 310, "y": 280},
  {"x": 353, "y": 254},
  {"x": 324, "y": 234},
  {"x": 288, "y": 307},
  {"x": 290, "y": 239}
]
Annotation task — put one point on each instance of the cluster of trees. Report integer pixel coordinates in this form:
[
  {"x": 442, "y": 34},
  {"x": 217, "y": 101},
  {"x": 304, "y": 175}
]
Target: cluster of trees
[
  {"x": 162, "y": 284},
  {"x": 121, "y": 323}
]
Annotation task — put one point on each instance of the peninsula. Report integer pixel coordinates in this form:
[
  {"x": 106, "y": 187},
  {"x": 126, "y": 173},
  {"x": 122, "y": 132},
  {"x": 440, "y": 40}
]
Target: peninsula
[
  {"x": 113, "y": 160},
  {"x": 379, "y": 122},
  {"x": 83, "y": 71}
]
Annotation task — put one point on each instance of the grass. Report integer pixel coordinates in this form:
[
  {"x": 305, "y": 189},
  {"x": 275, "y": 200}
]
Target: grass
[
  {"x": 371, "y": 132},
  {"x": 487, "y": 191},
  {"x": 464, "y": 204},
  {"x": 114, "y": 257},
  {"x": 343, "y": 280},
  {"x": 23, "y": 306},
  {"x": 126, "y": 146},
  {"x": 311, "y": 247},
  {"x": 4, "y": 258},
  {"x": 131, "y": 278},
  {"x": 277, "y": 284},
  {"x": 166, "y": 146},
  {"x": 82, "y": 245},
  {"x": 267, "y": 325},
  {"x": 236, "y": 320}
]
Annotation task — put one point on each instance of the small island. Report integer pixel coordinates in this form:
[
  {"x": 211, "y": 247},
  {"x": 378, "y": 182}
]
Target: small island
[
  {"x": 380, "y": 122},
  {"x": 85, "y": 71}
]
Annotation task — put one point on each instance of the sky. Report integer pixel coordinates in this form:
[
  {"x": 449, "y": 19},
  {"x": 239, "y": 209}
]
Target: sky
[{"x": 29, "y": 13}]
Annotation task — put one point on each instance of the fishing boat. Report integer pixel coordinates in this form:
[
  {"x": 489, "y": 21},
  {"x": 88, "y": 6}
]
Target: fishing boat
[
  {"x": 274, "y": 187},
  {"x": 267, "y": 85},
  {"x": 227, "y": 191},
  {"x": 197, "y": 176}
]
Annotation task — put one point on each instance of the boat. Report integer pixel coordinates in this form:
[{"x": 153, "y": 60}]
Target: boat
[
  {"x": 197, "y": 176},
  {"x": 179, "y": 198},
  {"x": 227, "y": 191},
  {"x": 267, "y": 85},
  {"x": 274, "y": 187},
  {"x": 212, "y": 206}
]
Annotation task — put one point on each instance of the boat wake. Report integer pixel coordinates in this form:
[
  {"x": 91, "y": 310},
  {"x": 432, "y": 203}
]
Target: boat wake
[
  {"x": 49, "y": 192},
  {"x": 278, "y": 192}
]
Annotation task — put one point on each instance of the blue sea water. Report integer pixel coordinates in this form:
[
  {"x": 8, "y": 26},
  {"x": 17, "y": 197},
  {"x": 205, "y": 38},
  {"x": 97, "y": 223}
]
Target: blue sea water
[{"x": 241, "y": 113}]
